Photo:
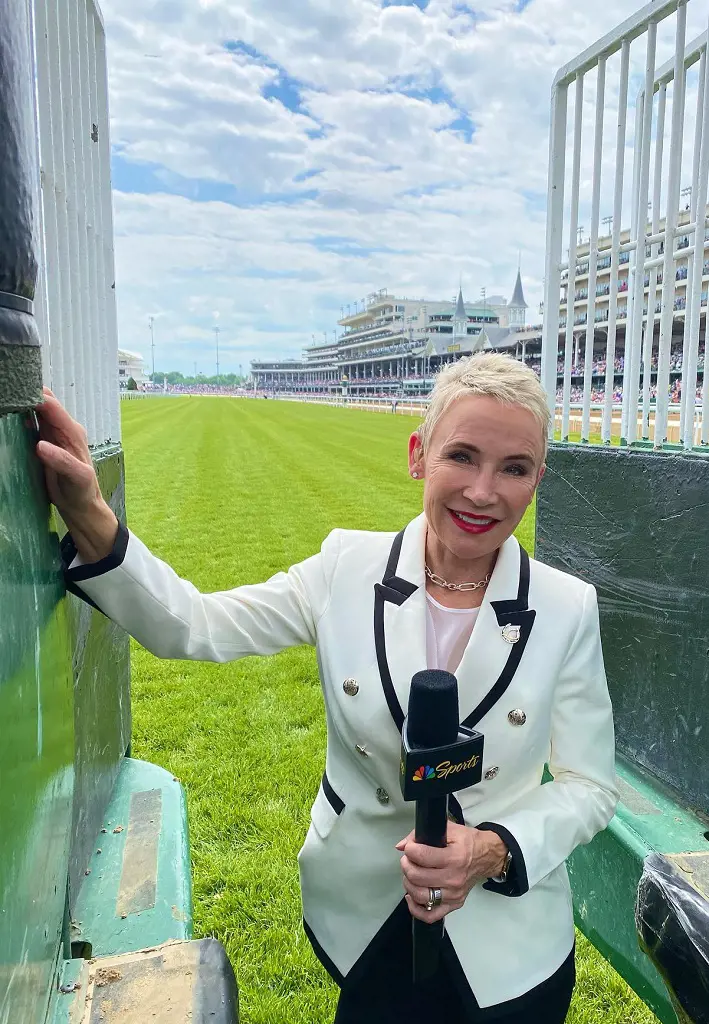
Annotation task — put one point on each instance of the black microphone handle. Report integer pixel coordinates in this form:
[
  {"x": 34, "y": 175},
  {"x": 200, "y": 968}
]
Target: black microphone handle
[
  {"x": 432, "y": 821},
  {"x": 431, "y": 828}
]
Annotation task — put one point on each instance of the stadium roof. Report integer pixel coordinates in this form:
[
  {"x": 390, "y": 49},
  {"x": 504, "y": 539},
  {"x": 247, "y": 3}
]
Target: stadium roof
[{"x": 491, "y": 336}]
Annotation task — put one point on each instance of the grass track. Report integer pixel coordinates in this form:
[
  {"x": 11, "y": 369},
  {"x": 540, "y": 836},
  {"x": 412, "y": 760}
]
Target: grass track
[{"x": 229, "y": 492}]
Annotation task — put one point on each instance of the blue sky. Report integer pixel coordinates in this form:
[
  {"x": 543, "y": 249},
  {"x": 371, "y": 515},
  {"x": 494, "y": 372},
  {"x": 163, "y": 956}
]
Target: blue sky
[{"x": 275, "y": 161}]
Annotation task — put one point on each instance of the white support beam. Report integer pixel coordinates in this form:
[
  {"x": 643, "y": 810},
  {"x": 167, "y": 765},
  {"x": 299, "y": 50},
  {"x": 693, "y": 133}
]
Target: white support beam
[{"x": 77, "y": 275}]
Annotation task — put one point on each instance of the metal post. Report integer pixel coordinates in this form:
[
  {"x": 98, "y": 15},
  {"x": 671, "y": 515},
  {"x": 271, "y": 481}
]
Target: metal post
[
  {"x": 554, "y": 243},
  {"x": 607, "y": 424},
  {"x": 652, "y": 289},
  {"x": 21, "y": 358},
  {"x": 593, "y": 252},
  {"x": 216, "y": 337},
  {"x": 671, "y": 217},
  {"x": 573, "y": 245},
  {"x": 633, "y": 335},
  {"x": 695, "y": 264},
  {"x": 689, "y": 391}
]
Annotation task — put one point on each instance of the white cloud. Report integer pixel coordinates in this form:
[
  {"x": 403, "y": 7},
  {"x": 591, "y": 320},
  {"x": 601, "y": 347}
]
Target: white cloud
[{"x": 333, "y": 146}]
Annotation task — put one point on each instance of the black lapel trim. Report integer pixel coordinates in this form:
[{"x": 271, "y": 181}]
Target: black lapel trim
[
  {"x": 336, "y": 802},
  {"x": 393, "y": 560},
  {"x": 514, "y": 613},
  {"x": 390, "y": 594},
  {"x": 322, "y": 956},
  {"x": 397, "y": 590}
]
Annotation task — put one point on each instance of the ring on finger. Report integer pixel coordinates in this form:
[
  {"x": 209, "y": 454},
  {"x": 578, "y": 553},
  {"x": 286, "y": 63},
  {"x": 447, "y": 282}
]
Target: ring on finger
[{"x": 435, "y": 898}]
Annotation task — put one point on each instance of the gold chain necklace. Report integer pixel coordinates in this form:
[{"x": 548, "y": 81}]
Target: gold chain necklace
[{"x": 440, "y": 582}]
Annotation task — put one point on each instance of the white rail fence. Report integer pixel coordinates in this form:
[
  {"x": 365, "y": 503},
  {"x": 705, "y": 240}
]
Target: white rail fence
[
  {"x": 76, "y": 305},
  {"x": 574, "y": 415},
  {"x": 663, "y": 250}
]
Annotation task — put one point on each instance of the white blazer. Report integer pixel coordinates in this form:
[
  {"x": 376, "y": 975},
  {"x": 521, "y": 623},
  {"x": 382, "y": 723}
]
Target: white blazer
[{"x": 361, "y": 602}]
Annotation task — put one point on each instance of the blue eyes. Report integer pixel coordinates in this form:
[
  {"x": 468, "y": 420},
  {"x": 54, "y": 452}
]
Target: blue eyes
[{"x": 513, "y": 469}]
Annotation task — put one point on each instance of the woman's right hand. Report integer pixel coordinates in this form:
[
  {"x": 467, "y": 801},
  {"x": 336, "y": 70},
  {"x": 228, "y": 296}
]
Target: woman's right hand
[{"x": 72, "y": 484}]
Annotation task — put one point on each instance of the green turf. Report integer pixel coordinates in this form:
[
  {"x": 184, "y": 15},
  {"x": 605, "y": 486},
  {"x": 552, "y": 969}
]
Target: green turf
[{"x": 229, "y": 492}]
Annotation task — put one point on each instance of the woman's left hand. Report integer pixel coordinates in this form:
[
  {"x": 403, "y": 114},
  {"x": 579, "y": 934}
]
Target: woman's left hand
[{"x": 470, "y": 857}]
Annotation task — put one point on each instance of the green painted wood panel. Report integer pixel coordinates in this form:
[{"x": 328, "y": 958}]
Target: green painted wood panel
[{"x": 37, "y": 748}]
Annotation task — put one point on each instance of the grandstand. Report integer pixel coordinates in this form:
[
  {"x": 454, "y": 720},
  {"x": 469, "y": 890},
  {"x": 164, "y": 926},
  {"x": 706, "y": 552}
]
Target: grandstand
[{"x": 392, "y": 347}]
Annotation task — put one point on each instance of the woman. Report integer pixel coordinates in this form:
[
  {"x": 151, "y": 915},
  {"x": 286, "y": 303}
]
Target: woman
[{"x": 453, "y": 590}]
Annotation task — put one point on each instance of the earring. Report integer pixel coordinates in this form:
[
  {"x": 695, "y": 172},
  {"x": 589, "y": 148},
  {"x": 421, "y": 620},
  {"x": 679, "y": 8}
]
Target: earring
[{"x": 415, "y": 476}]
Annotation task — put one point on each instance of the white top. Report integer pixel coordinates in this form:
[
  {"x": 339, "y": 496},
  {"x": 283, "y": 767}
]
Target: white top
[{"x": 447, "y": 633}]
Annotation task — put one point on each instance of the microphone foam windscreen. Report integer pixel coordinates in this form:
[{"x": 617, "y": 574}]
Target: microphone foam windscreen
[{"x": 433, "y": 709}]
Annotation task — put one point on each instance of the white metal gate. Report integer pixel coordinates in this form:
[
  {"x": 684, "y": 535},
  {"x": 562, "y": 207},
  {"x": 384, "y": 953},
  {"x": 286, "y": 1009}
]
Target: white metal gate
[
  {"x": 76, "y": 306},
  {"x": 653, "y": 307}
]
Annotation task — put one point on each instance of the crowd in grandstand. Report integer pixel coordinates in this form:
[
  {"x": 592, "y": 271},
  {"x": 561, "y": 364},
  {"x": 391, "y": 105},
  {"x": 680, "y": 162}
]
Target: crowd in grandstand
[
  {"x": 204, "y": 389},
  {"x": 599, "y": 365},
  {"x": 598, "y": 395},
  {"x": 400, "y": 348}
]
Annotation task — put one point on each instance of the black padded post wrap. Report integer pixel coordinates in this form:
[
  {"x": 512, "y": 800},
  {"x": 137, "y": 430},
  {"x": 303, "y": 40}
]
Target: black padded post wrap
[{"x": 20, "y": 358}]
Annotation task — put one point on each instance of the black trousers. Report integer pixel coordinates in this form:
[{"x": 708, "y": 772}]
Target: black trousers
[{"x": 379, "y": 989}]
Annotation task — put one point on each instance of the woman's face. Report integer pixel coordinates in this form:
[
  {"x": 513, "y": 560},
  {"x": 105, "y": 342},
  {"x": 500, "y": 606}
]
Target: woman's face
[{"x": 480, "y": 473}]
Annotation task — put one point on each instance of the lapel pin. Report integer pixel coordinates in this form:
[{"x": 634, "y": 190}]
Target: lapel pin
[{"x": 510, "y": 633}]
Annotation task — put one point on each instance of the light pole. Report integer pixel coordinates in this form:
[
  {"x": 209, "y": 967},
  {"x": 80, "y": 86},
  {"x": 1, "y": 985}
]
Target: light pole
[
  {"x": 216, "y": 335},
  {"x": 151, "y": 321}
]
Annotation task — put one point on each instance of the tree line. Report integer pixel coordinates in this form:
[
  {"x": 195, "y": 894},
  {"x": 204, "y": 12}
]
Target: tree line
[{"x": 175, "y": 377}]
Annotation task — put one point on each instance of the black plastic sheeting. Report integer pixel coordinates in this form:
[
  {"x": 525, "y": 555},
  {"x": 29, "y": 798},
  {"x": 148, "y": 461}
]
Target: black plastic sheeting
[
  {"x": 634, "y": 524},
  {"x": 672, "y": 919},
  {"x": 20, "y": 362}
]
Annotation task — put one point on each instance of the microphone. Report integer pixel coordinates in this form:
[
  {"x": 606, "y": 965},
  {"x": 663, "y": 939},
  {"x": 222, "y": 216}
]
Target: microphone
[{"x": 438, "y": 757}]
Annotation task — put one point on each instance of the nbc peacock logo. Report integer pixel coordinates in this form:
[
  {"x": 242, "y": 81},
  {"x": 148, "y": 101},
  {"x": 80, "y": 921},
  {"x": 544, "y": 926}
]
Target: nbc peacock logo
[{"x": 423, "y": 773}]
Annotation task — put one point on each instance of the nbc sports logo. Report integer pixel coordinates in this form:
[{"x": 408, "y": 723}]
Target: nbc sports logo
[{"x": 423, "y": 773}]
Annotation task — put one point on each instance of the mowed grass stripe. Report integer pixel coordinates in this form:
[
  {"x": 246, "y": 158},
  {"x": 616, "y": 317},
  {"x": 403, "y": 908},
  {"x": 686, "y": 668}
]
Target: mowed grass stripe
[{"x": 229, "y": 492}]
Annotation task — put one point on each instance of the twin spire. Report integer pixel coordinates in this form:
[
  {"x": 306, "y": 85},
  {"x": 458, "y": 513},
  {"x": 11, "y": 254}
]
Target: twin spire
[{"x": 516, "y": 302}]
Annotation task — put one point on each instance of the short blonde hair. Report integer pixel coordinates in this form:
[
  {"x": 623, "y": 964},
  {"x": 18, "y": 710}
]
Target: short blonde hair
[{"x": 486, "y": 373}]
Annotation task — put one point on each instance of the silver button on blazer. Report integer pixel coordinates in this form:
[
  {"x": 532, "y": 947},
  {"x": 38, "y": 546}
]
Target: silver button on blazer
[{"x": 361, "y": 601}]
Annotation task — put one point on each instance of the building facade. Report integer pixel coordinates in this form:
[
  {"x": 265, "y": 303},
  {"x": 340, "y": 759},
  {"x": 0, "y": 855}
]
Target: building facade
[
  {"x": 578, "y": 286},
  {"x": 393, "y": 345},
  {"x": 130, "y": 364},
  {"x": 653, "y": 278}
]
